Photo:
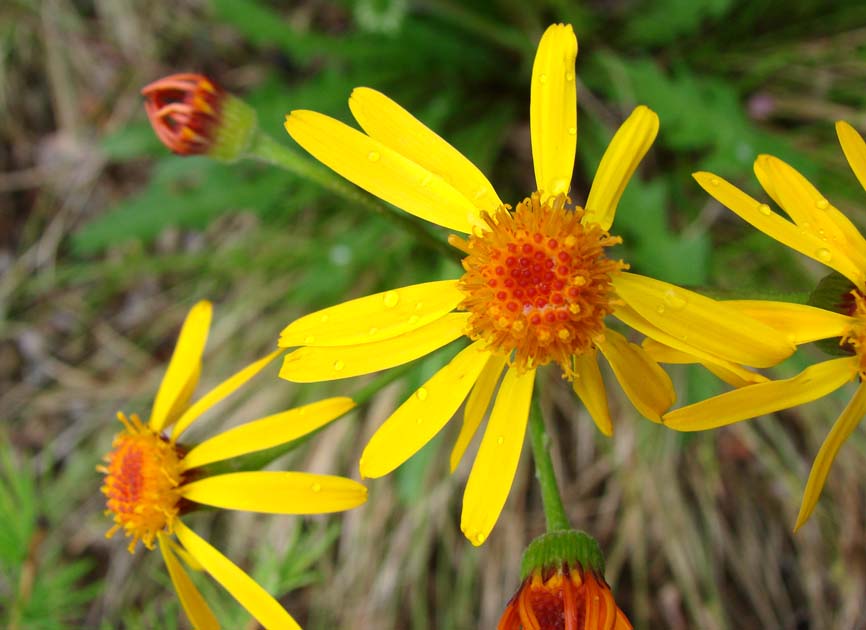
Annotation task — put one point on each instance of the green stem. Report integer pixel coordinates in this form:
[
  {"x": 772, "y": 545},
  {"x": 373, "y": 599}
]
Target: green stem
[
  {"x": 266, "y": 149},
  {"x": 554, "y": 510}
]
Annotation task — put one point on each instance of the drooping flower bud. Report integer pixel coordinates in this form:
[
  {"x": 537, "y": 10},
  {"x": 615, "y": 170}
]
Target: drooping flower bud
[
  {"x": 192, "y": 115},
  {"x": 563, "y": 588}
]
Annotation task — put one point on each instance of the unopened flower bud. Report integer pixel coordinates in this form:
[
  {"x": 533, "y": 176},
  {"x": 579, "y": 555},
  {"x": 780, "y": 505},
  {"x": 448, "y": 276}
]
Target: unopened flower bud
[{"x": 192, "y": 115}]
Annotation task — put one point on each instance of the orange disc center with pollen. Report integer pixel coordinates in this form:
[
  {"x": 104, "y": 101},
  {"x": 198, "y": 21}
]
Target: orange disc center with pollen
[
  {"x": 142, "y": 476},
  {"x": 855, "y": 337},
  {"x": 538, "y": 283}
]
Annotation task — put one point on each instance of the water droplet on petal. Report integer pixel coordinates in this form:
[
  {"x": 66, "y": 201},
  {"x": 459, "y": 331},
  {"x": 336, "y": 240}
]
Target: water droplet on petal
[
  {"x": 419, "y": 306},
  {"x": 660, "y": 309},
  {"x": 373, "y": 156},
  {"x": 715, "y": 181},
  {"x": 324, "y": 318},
  {"x": 500, "y": 440},
  {"x": 421, "y": 393},
  {"x": 413, "y": 320},
  {"x": 479, "y": 538},
  {"x": 309, "y": 339},
  {"x": 316, "y": 487},
  {"x": 425, "y": 181},
  {"x": 572, "y": 131},
  {"x": 569, "y": 76},
  {"x": 824, "y": 255},
  {"x": 390, "y": 299},
  {"x": 339, "y": 365},
  {"x": 764, "y": 209},
  {"x": 542, "y": 78},
  {"x": 674, "y": 299},
  {"x": 822, "y": 204}
]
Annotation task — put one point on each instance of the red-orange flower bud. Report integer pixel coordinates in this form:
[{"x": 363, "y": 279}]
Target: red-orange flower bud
[
  {"x": 563, "y": 599},
  {"x": 184, "y": 111},
  {"x": 192, "y": 115}
]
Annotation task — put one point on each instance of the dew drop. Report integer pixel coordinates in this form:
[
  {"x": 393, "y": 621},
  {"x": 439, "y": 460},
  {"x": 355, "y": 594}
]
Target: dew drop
[
  {"x": 426, "y": 180},
  {"x": 674, "y": 300},
  {"x": 764, "y": 209},
  {"x": 572, "y": 131},
  {"x": 309, "y": 339},
  {"x": 660, "y": 309},
  {"x": 316, "y": 487},
  {"x": 413, "y": 320},
  {"x": 372, "y": 331},
  {"x": 419, "y": 420},
  {"x": 324, "y": 318},
  {"x": 479, "y": 538},
  {"x": 569, "y": 76},
  {"x": 824, "y": 255},
  {"x": 542, "y": 78},
  {"x": 390, "y": 299},
  {"x": 373, "y": 156},
  {"x": 822, "y": 204},
  {"x": 421, "y": 393},
  {"x": 419, "y": 306},
  {"x": 715, "y": 181},
  {"x": 339, "y": 365},
  {"x": 500, "y": 440}
]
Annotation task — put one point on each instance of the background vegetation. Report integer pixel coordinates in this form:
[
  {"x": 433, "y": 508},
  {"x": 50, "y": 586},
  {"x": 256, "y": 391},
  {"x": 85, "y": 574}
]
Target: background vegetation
[{"x": 106, "y": 240}]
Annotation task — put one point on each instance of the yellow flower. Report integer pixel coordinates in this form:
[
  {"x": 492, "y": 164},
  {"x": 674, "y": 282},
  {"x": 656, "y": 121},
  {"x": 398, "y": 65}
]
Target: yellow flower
[
  {"x": 151, "y": 479},
  {"x": 821, "y": 232},
  {"x": 536, "y": 289}
]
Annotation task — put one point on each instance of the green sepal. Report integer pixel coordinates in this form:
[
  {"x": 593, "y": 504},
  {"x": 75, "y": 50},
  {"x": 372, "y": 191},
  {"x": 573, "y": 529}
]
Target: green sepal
[
  {"x": 238, "y": 123},
  {"x": 833, "y": 293},
  {"x": 555, "y": 550}
]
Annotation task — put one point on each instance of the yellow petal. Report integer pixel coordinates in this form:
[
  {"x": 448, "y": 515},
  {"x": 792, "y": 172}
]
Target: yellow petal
[
  {"x": 277, "y": 492},
  {"x": 704, "y": 323},
  {"x": 720, "y": 367},
  {"x": 553, "y": 110},
  {"x": 313, "y": 364},
  {"x": 390, "y": 124},
  {"x": 227, "y": 387},
  {"x": 630, "y": 143},
  {"x": 648, "y": 386},
  {"x": 374, "y": 317},
  {"x": 199, "y": 613},
  {"x": 854, "y": 148},
  {"x": 755, "y": 400},
  {"x": 182, "y": 373},
  {"x": 842, "y": 428},
  {"x": 730, "y": 373},
  {"x": 476, "y": 406},
  {"x": 424, "y": 413},
  {"x": 242, "y": 587},
  {"x": 809, "y": 209},
  {"x": 381, "y": 170},
  {"x": 494, "y": 468},
  {"x": 772, "y": 224},
  {"x": 182, "y": 553},
  {"x": 800, "y": 322},
  {"x": 589, "y": 386},
  {"x": 273, "y": 430}
]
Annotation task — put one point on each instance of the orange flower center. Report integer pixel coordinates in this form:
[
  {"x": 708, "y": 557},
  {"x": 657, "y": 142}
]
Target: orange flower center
[
  {"x": 538, "y": 283},
  {"x": 142, "y": 476},
  {"x": 566, "y": 600},
  {"x": 855, "y": 337}
]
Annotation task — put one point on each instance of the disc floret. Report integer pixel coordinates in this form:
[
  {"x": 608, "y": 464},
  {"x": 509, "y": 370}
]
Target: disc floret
[
  {"x": 142, "y": 477},
  {"x": 537, "y": 282}
]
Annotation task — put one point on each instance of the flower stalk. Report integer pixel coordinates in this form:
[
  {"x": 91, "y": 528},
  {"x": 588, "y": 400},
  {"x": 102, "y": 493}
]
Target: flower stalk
[{"x": 554, "y": 510}]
